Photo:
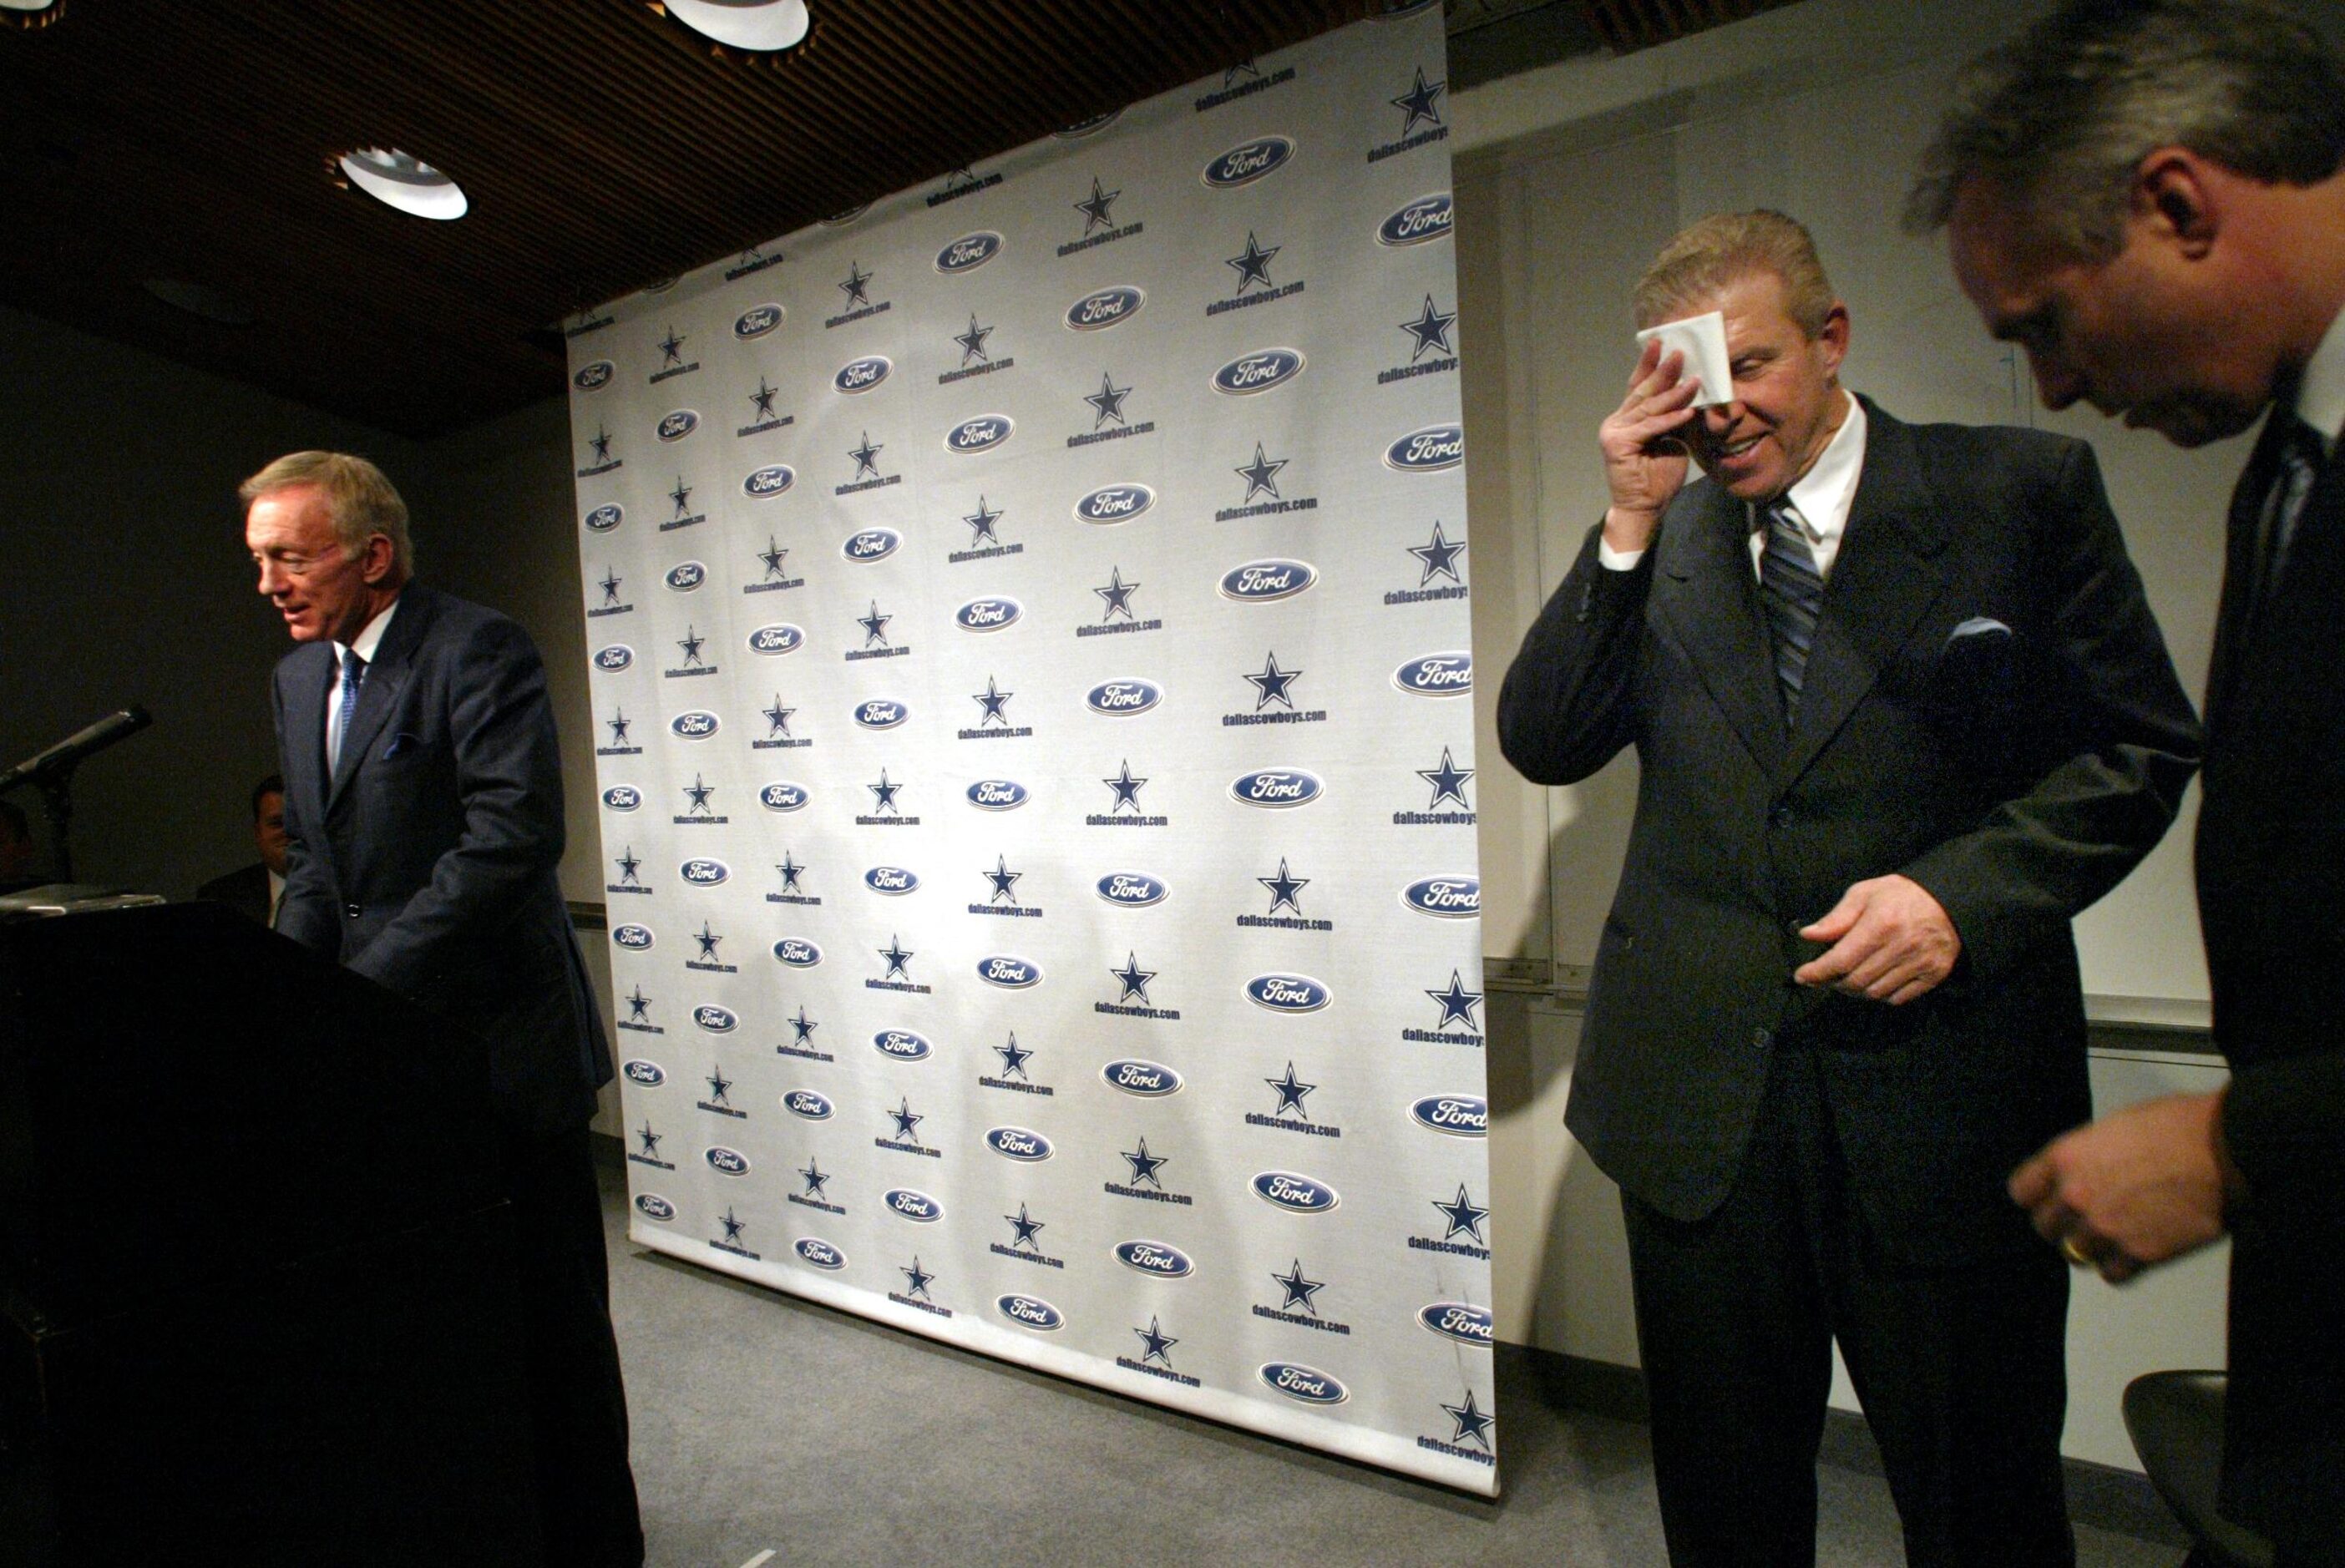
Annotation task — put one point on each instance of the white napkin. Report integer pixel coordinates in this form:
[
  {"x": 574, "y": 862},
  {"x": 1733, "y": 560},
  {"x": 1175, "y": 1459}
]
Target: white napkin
[{"x": 1702, "y": 340}]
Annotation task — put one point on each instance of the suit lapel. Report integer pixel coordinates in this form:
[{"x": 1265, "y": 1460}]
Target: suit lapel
[
  {"x": 2259, "y": 649},
  {"x": 1714, "y": 609},
  {"x": 386, "y": 675},
  {"x": 306, "y": 673},
  {"x": 2240, "y": 564}
]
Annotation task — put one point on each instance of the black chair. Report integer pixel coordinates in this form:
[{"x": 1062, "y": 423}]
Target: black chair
[{"x": 2176, "y": 1420}]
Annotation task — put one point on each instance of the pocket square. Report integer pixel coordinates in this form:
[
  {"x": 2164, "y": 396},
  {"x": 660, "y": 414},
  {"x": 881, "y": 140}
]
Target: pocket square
[
  {"x": 1977, "y": 626},
  {"x": 399, "y": 743}
]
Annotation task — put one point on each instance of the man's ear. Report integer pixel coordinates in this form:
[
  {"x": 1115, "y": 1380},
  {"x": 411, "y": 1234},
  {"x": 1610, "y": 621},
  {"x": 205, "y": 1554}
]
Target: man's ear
[
  {"x": 2175, "y": 201},
  {"x": 378, "y": 557}
]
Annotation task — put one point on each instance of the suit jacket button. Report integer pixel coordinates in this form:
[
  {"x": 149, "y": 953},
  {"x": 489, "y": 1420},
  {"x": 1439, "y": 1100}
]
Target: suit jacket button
[
  {"x": 1780, "y": 816},
  {"x": 352, "y": 911},
  {"x": 1760, "y": 1040}
]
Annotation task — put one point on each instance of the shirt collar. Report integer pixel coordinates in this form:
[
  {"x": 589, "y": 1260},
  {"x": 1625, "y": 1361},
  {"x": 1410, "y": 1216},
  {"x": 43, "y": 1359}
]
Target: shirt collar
[
  {"x": 1824, "y": 494},
  {"x": 2320, "y": 395},
  {"x": 369, "y": 639}
]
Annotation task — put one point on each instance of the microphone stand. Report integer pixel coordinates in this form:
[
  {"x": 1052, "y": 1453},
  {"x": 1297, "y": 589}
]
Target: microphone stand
[{"x": 52, "y": 771}]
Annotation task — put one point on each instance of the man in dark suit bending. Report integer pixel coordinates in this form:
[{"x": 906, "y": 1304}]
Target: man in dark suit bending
[
  {"x": 1901, "y": 711},
  {"x": 423, "y": 825}
]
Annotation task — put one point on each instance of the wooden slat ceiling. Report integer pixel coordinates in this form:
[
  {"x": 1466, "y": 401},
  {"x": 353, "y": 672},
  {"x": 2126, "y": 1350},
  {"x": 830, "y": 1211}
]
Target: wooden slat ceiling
[{"x": 601, "y": 144}]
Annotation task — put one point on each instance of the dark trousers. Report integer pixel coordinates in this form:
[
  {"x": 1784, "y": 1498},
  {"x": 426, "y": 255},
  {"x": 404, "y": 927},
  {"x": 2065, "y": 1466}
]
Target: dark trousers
[
  {"x": 578, "y": 1405},
  {"x": 1961, "y": 1370}
]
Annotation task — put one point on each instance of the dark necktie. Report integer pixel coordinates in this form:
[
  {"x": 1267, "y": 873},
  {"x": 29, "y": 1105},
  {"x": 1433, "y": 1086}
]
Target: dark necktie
[
  {"x": 1793, "y": 592},
  {"x": 2300, "y": 458},
  {"x": 353, "y": 671}
]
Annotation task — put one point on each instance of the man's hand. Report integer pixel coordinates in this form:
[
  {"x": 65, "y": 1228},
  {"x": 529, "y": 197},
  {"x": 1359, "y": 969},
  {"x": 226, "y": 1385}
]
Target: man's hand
[
  {"x": 1643, "y": 466},
  {"x": 1889, "y": 941},
  {"x": 2136, "y": 1187}
]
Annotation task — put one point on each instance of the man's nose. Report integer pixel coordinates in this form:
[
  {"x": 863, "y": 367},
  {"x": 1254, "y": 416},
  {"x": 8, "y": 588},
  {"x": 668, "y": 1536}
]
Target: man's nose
[{"x": 1719, "y": 418}]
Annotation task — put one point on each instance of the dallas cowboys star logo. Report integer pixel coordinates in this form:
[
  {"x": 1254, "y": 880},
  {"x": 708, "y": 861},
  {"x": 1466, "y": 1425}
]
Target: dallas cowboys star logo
[
  {"x": 857, "y": 284},
  {"x": 1462, "y": 1216},
  {"x": 817, "y": 1178},
  {"x": 1117, "y": 594},
  {"x": 897, "y": 958},
  {"x": 672, "y": 347},
  {"x": 602, "y": 444},
  {"x": 905, "y": 1120},
  {"x": 916, "y": 1280},
  {"x": 1472, "y": 1422},
  {"x": 698, "y": 793},
  {"x": 618, "y": 721},
  {"x": 1253, "y": 266},
  {"x": 1126, "y": 787},
  {"x": 1457, "y": 1003},
  {"x": 1439, "y": 557},
  {"x": 773, "y": 555},
  {"x": 627, "y": 865},
  {"x": 790, "y": 871},
  {"x": 1133, "y": 978},
  {"x": 1418, "y": 102},
  {"x": 1431, "y": 330},
  {"x": 1290, "y": 1091},
  {"x": 1013, "y": 1056},
  {"x": 733, "y": 1227},
  {"x": 719, "y": 1086},
  {"x": 1247, "y": 65},
  {"x": 875, "y": 626},
  {"x": 708, "y": 939},
  {"x": 610, "y": 586},
  {"x": 1284, "y": 889},
  {"x": 981, "y": 523},
  {"x": 680, "y": 494},
  {"x": 1003, "y": 880},
  {"x": 691, "y": 643},
  {"x": 1108, "y": 400},
  {"x": 777, "y": 718},
  {"x": 803, "y": 1027},
  {"x": 1299, "y": 1291},
  {"x": 1095, "y": 209},
  {"x": 1025, "y": 1228},
  {"x": 638, "y": 1006},
  {"x": 651, "y": 1142},
  {"x": 1449, "y": 781},
  {"x": 1144, "y": 1164},
  {"x": 867, "y": 456},
  {"x": 990, "y": 701},
  {"x": 1271, "y": 685},
  {"x": 1261, "y": 474},
  {"x": 1157, "y": 1342},
  {"x": 883, "y": 796},
  {"x": 762, "y": 400},
  {"x": 972, "y": 342}
]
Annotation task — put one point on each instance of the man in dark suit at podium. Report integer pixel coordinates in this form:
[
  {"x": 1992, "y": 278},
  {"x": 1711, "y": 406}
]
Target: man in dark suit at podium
[
  {"x": 253, "y": 890},
  {"x": 423, "y": 822}
]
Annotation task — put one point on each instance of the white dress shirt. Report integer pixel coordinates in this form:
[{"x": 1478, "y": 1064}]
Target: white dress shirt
[{"x": 2320, "y": 396}]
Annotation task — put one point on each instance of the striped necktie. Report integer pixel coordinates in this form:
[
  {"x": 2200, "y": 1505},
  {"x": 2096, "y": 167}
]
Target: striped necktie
[
  {"x": 353, "y": 671},
  {"x": 1793, "y": 592}
]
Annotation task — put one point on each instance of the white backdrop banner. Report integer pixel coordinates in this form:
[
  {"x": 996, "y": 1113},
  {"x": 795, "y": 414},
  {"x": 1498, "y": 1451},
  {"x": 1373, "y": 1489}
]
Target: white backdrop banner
[{"x": 1030, "y": 644}]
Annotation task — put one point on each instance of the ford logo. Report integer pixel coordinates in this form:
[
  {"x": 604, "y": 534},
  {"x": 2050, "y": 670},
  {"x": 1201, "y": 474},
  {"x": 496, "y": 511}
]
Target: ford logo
[
  {"x": 1457, "y": 1320},
  {"x": 757, "y": 321},
  {"x": 1296, "y": 1194},
  {"x": 1427, "y": 217},
  {"x": 1436, "y": 675},
  {"x": 982, "y": 434},
  {"x": 652, "y": 1205},
  {"x": 1115, "y": 503},
  {"x": 677, "y": 424},
  {"x": 782, "y": 796},
  {"x": 716, "y": 1020},
  {"x": 623, "y": 797},
  {"x": 862, "y": 375},
  {"x": 1149, "y": 1081},
  {"x": 1157, "y": 1257},
  {"x": 1425, "y": 451},
  {"x": 617, "y": 656},
  {"x": 1106, "y": 307},
  {"x": 1287, "y": 993},
  {"x": 769, "y": 481},
  {"x": 807, "y": 1104},
  {"x": 1132, "y": 889},
  {"x": 871, "y": 544},
  {"x": 727, "y": 1161},
  {"x": 968, "y": 252},
  {"x": 1275, "y": 788},
  {"x": 1450, "y": 897},
  {"x": 634, "y": 939},
  {"x": 1249, "y": 162},
  {"x": 776, "y": 639},
  {"x": 1258, "y": 371},
  {"x": 987, "y": 614},
  {"x": 1261, "y": 582},
  {"x": 997, "y": 795},
  {"x": 703, "y": 872},
  {"x": 645, "y": 1075},
  {"x": 1121, "y": 699},
  {"x": 1307, "y": 1385},
  {"x": 685, "y": 576},
  {"x": 881, "y": 714},
  {"x": 593, "y": 377},
  {"x": 915, "y": 1205},
  {"x": 697, "y": 724},
  {"x": 1019, "y": 1143},
  {"x": 819, "y": 1253},
  {"x": 890, "y": 879},
  {"x": 797, "y": 951},
  {"x": 1010, "y": 974},
  {"x": 902, "y": 1044},
  {"x": 1028, "y": 1312},
  {"x": 606, "y": 518},
  {"x": 1459, "y": 1116}
]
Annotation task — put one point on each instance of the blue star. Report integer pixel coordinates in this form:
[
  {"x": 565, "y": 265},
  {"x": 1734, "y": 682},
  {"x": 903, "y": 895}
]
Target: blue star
[
  {"x": 733, "y": 1227},
  {"x": 680, "y": 494},
  {"x": 719, "y": 1086},
  {"x": 1026, "y": 1228},
  {"x": 763, "y": 399},
  {"x": 639, "y": 1007},
  {"x": 1261, "y": 474},
  {"x": 1418, "y": 102},
  {"x": 1457, "y": 1003},
  {"x": 691, "y": 643},
  {"x": 611, "y": 580},
  {"x": 699, "y": 792},
  {"x": 1439, "y": 557},
  {"x": 972, "y": 342},
  {"x": 980, "y": 522},
  {"x": 1471, "y": 1422},
  {"x": 1299, "y": 1291},
  {"x": 777, "y": 718},
  {"x": 1108, "y": 400},
  {"x": 905, "y": 1120},
  {"x": 1117, "y": 594},
  {"x": 1133, "y": 978},
  {"x": 1272, "y": 685},
  {"x": 773, "y": 556},
  {"x": 1430, "y": 329},
  {"x": 897, "y": 958},
  {"x": 672, "y": 347},
  {"x": 857, "y": 284},
  {"x": 915, "y": 1280},
  {"x": 804, "y": 1027},
  {"x": 1253, "y": 266},
  {"x": 1095, "y": 209},
  {"x": 1290, "y": 1091},
  {"x": 1013, "y": 1056},
  {"x": 1284, "y": 888},
  {"x": 875, "y": 626},
  {"x": 1126, "y": 787},
  {"x": 1246, "y": 64},
  {"x": 627, "y": 865},
  {"x": 867, "y": 456},
  {"x": 650, "y": 1141},
  {"x": 884, "y": 794},
  {"x": 1158, "y": 1343},
  {"x": 817, "y": 1178},
  {"x": 618, "y": 721},
  {"x": 1144, "y": 1164},
  {"x": 1449, "y": 781},
  {"x": 1463, "y": 1216},
  {"x": 709, "y": 940},
  {"x": 791, "y": 871},
  {"x": 602, "y": 444},
  {"x": 991, "y": 701},
  {"x": 1003, "y": 879}
]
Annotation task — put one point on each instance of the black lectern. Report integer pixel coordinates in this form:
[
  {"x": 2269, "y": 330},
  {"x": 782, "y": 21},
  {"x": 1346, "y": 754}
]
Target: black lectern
[{"x": 254, "y": 1304}]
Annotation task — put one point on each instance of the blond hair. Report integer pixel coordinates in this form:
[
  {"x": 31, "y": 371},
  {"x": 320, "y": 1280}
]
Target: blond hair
[
  {"x": 1721, "y": 250},
  {"x": 360, "y": 498}
]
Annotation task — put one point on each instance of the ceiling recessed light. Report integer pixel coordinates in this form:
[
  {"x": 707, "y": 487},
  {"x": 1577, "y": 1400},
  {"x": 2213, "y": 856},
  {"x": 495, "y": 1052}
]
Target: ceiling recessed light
[
  {"x": 405, "y": 181},
  {"x": 763, "y": 26},
  {"x": 201, "y": 300}
]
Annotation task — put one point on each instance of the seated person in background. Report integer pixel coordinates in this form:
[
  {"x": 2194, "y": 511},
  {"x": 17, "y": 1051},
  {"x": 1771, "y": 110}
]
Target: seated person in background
[{"x": 253, "y": 891}]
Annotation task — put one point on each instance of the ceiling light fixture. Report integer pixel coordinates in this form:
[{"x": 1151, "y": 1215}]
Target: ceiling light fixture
[
  {"x": 30, "y": 15},
  {"x": 405, "y": 181},
  {"x": 760, "y": 27}
]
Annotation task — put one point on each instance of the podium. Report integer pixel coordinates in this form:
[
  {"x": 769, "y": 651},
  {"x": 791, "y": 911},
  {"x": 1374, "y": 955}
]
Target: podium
[{"x": 254, "y": 1297}]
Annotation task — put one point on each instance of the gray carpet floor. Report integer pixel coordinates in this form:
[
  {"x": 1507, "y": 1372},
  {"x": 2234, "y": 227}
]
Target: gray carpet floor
[{"x": 764, "y": 1423}]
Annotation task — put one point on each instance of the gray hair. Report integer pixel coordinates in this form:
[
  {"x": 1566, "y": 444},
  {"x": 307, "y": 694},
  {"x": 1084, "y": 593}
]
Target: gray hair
[
  {"x": 360, "y": 497},
  {"x": 2060, "y": 117}
]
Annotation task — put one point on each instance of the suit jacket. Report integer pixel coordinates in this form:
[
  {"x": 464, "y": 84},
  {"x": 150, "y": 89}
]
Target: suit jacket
[
  {"x": 427, "y": 861},
  {"x": 1989, "y": 709},
  {"x": 244, "y": 890},
  {"x": 2271, "y": 898}
]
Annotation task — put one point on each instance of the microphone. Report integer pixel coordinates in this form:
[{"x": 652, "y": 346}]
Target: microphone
[{"x": 61, "y": 757}]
